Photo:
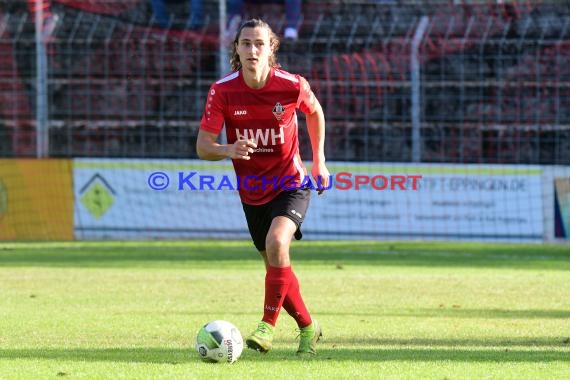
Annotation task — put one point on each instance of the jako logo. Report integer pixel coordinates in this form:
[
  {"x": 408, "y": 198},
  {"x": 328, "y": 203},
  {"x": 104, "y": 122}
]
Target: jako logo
[{"x": 240, "y": 112}]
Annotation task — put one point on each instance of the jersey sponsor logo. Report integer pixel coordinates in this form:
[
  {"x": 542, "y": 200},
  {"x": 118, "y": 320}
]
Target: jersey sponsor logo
[
  {"x": 263, "y": 150},
  {"x": 240, "y": 112},
  {"x": 267, "y": 136},
  {"x": 278, "y": 111}
]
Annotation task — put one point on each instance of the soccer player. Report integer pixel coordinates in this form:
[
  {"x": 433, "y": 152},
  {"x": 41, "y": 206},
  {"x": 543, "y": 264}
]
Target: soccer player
[{"x": 257, "y": 102}]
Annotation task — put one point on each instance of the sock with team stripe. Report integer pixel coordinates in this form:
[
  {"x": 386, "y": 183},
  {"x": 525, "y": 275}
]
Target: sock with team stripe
[{"x": 277, "y": 281}]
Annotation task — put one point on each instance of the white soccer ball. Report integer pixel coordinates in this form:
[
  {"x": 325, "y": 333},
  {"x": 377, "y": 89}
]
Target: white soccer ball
[{"x": 219, "y": 342}]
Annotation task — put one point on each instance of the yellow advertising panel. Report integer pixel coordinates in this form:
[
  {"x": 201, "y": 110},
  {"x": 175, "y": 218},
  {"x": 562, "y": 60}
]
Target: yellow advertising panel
[{"x": 36, "y": 199}]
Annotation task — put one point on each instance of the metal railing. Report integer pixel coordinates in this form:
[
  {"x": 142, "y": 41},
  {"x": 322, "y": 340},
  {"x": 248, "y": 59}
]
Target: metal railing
[{"x": 493, "y": 83}]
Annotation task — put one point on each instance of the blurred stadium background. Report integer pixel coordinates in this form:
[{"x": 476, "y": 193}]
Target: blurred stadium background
[{"x": 472, "y": 95}]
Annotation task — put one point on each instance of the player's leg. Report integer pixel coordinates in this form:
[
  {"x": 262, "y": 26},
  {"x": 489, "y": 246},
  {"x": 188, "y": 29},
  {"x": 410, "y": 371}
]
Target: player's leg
[
  {"x": 196, "y": 19},
  {"x": 293, "y": 16},
  {"x": 294, "y": 205},
  {"x": 309, "y": 331},
  {"x": 235, "y": 15},
  {"x": 293, "y": 303},
  {"x": 259, "y": 222},
  {"x": 160, "y": 12},
  {"x": 277, "y": 279},
  {"x": 278, "y": 241}
]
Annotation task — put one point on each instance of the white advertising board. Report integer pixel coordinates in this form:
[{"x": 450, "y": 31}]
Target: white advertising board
[
  {"x": 450, "y": 202},
  {"x": 115, "y": 199}
]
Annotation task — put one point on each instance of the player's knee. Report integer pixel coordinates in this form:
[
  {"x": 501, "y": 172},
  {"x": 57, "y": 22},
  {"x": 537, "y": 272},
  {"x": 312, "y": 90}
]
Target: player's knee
[{"x": 277, "y": 243}]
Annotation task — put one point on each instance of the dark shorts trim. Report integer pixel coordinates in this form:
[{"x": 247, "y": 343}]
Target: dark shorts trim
[{"x": 292, "y": 204}]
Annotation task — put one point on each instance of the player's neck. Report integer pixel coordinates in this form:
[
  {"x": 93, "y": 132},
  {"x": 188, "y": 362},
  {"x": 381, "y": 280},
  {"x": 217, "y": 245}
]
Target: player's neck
[{"x": 256, "y": 79}]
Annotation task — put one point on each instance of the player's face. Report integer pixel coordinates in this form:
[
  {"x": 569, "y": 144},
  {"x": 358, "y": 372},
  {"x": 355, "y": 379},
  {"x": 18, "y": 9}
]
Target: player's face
[{"x": 254, "y": 48}]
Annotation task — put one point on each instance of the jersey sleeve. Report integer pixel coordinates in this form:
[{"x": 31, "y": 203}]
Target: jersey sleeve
[
  {"x": 213, "y": 117},
  {"x": 306, "y": 100}
]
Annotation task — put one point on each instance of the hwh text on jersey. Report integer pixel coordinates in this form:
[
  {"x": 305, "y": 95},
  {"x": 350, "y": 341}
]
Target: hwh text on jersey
[{"x": 262, "y": 135}]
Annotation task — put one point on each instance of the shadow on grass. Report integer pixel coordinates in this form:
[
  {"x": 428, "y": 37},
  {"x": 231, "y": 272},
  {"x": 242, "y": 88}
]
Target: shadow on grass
[
  {"x": 181, "y": 356},
  {"x": 459, "y": 313},
  {"x": 451, "y": 344},
  {"x": 338, "y": 254}
]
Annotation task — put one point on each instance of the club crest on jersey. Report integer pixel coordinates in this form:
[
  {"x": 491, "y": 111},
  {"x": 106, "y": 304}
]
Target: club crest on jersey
[{"x": 278, "y": 111}]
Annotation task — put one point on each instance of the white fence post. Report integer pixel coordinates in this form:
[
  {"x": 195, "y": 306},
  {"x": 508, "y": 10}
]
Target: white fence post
[
  {"x": 415, "y": 87},
  {"x": 42, "y": 133}
]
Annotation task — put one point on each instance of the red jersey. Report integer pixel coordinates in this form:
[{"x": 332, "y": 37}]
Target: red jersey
[{"x": 267, "y": 116}]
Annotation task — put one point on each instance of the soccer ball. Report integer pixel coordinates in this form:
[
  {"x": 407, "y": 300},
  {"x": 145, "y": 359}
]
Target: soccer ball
[{"x": 218, "y": 342}]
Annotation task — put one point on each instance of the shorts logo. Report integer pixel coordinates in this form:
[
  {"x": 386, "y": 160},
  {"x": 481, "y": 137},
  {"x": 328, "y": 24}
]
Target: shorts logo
[
  {"x": 278, "y": 111},
  {"x": 297, "y": 213}
]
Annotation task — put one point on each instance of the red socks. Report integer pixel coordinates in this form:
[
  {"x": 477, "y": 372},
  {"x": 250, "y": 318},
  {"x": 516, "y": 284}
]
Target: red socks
[
  {"x": 277, "y": 282},
  {"x": 282, "y": 290},
  {"x": 295, "y": 305}
]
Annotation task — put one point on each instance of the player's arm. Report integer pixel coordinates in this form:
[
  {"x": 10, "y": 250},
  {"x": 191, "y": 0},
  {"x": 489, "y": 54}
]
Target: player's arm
[
  {"x": 209, "y": 149},
  {"x": 211, "y": 124},
  {"x": 310, "y": 106},
  {"x": 316, "y": 127}
]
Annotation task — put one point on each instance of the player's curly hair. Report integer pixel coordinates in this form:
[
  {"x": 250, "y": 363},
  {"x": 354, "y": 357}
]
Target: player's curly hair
[{"x": 273, "y": 42}]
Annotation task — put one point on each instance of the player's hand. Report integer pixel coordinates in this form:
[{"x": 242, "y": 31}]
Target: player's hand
[
  {"x": 241, "y": 149},
  {"x": 321, "y": 176}
]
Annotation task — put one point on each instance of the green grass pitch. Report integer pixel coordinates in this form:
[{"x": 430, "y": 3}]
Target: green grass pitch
[{"x": 389, "y": 310}]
